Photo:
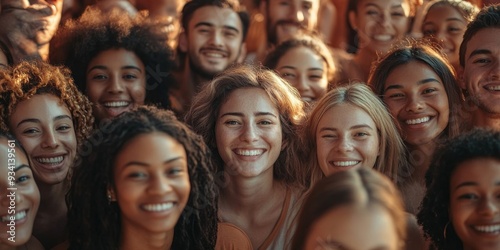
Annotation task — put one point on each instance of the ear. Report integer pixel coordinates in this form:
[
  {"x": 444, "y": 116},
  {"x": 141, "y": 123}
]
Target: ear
[
  {"x": 243, "y": 53},
  {"x": 110, "y": 193},
  {"x": 352, "y": 20},
  {"x": 461, "y": 81},
  {"x": 183, "y": 43}
]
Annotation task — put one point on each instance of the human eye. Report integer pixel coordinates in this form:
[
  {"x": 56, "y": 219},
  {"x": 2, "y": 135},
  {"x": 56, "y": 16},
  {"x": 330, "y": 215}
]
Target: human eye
[
  {"x": 230, "y": 33},
  {"x": 175, "y": 171},
  {"x": 307, "y": 5},
  {"x": 232, "y": 122},
  {"x": 99, "y": 77},
  {"x": 284, "y": 3},
  {"x": 481, "y": 61},
  {"x": 129, "y": 76},
  {"x": 136, "y": 175},
  {"x": 328, "y": 136},
  {"x": 265, "y": 122},
  {"x": 287, "y": 75},
  {"x": 63, "y": 127},
  {"x": 429, "y": 91},
  {"x": 394, "y": 95},
  {"x": 398, "y": 13},
  {"x": 429, "y": 32},
  {"x": 31, "y": 131},
  {"x": 361, "y": 134},
  {"x": 23, "y": 178},
  {"x": 468, "y": 196}
]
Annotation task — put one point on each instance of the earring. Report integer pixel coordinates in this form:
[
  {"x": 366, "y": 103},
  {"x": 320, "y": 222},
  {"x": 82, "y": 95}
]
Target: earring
[{"x": 445, "y": 229}]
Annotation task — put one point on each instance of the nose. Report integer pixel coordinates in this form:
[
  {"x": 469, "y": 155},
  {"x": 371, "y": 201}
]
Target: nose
[
  {"x": 49, "y": 140},
  {"x": 385, "y": 19},
  {"x": 495, "y": 70},
  {"x": 159, "y": 184},
  {"x": 302, "y": 84},
  {"x": 344, "y": 145},
  {"x": 49, "y": 6},
  {"x": 249, "y": 133},
  {"x": 488, "y": 207},
  {"x": 414, "y": 104},
  {"x": 115, "y": 85},
  {"x": 216, "y": 38}
]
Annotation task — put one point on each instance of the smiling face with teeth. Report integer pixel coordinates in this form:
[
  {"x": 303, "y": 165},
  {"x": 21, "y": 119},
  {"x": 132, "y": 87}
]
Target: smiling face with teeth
[
  {"x": 482, "y": 73},
  {"x": 475, "y": 204},
  {"x": 346, "y": 138},
  {"x": 380, "y": 23},
  {"x": 27, "y": 196},
  {"x": 213, "y": 41},
  {"x": 416, "y": 97},
  {"x": 115, "y": 82},
  {"x": 248, "y": 132},
  {"x": 45, "y": 128},
  {"x": 152, "y": 184}
]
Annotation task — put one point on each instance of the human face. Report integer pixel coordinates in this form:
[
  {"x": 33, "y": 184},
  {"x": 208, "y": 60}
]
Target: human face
[
  {"x": 26, "y": 197},
  {"x": 44, "y": 17},
  {"x": 380, "y": 23},
  {"x": 447, "y": 26},
  {"x": 213, "y": 41},
  {"x": 151, "y": 183},
  {"x": 416, "y": 97},
  {"x": 248, "y": 132},
  {"x": 44, "y": 126},
  {"x": 306, "y": 71},
  {"x": 346, "y": 138},
  {"x": 482, "y": 70},
  {"x": 287, "y": 18},
  {"x": 116, "y": 82},
  {"x": 354, "y": 227},
  {"x": 475, "y": 203}
]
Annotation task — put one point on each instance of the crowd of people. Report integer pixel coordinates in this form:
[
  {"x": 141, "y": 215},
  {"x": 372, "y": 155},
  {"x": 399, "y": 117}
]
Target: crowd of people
[{"x": 220, "y": 124}]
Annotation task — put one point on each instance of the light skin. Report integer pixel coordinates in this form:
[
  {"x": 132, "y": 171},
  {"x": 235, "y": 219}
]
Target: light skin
[
  {"x": 213, "y": 41},
  {"x": 354, "y": 227},
  {"x": 306, "y": 71},
  {"x": 445, "y": 25},
  {"x": 45, "y": 128},
  {"x": 416, "y": 97},
  {"x": 116, "y": 82},
  {"x": 481, "y": 77},
  {"x": 346, "y": 138},
  {"x": 151, "y": 188},
  {"x": 27, "y": 196},
  {"x": 380, "y": 23},
  {"x": 286, "y": 18},
  {"x": 248, "y": 132},
  {"x": 475, "y": 203}
]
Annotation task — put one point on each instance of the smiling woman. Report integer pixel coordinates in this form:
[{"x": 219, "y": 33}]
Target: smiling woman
[
  {"x": 43, "y": 109},
  {"x": 118, "y": 61}
]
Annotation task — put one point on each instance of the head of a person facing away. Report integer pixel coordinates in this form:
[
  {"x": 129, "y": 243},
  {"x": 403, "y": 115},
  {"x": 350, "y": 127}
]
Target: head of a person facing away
[
  {"x": 151, "y": 178},
  {"x": 354, "y": 209},
  {"x": 461, "y": 208}
]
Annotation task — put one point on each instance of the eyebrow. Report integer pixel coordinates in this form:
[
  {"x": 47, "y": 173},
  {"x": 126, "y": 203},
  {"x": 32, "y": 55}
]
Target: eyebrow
[
  {"x": 480, "y": 52},
  {"x": 105, "y": 68},
  {"x": 256, "y": 114},
  {"x": 21, "y": 167},
  {"x": 211, "y": 25},
  {"x": 59, "y": 117},
  {"x": 143, "y": 164},
  {"x": 353, "y": 127},
  {"x": 392, "y": 7},
  {"x": 424, "y": 81},
  {"x": 472, "y": 183}
]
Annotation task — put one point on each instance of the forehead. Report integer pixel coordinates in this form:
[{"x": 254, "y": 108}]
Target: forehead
[
  {"x": 216, "y": 16},
  {"x": 484, "y": 40},
  {"x": 297, "y": 2}
]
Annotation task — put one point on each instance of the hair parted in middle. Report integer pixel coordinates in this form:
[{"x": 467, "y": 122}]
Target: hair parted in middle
[
  {"x": 206, "y": 105},
  {"x": 94, "y": 223}
]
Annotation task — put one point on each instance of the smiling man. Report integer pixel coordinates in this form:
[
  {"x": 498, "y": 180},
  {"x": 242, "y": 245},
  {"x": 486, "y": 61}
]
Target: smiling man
[
  {"x": 212, "y": 39},
  {"x": 480, "y": 59}
]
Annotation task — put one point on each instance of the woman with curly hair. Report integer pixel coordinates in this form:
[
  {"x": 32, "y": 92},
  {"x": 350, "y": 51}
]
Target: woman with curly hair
[
  {"x": 306, "y": 63},
  {"x": 116, "y": 60},
  {"x": 248, "y": 117},
  {"x": 461, "y": 208},
  {"x": 42, "y": 108},
  {"x": 146, "y": 184},
  {"x": 419, "y": 88}
]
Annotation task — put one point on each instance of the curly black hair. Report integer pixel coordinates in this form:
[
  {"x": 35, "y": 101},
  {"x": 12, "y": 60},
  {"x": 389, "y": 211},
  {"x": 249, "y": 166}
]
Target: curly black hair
[
  {"x": 79, "y": 41},
  {"x": 94, "y": 223},
  {"x": 434, "y": 215}
]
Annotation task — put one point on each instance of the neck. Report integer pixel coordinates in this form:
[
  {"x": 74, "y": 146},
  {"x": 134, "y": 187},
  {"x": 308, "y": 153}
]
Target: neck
[
  {"x": 420, "y": 158},
  {"x": 52, "y": 196},
  {"x": 364, "y": 59},
  {"x": 486, "y": 120},
  {"x": 139, "y": 239}
]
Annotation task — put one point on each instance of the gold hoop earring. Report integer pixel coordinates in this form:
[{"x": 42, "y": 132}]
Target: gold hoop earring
[{"x": 445, "y": 229}]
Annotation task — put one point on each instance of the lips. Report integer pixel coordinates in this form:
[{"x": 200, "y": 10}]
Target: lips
[
  {"x": 116, "y": 104},
  {"x": 50, "y": 162},
  {"x": 418, "y": 120},
  {"x": 344, "y": 163},
  {"x": 17, "y": 217},
  {"x": 214, "y": 53},
  {"x": 492, "y": 229},
  {"x": 492, "y": 87},
  {"x": 382, "y": 38},
  {"x": 249, "y": 152},
  {"x": 158, "y": 207}
]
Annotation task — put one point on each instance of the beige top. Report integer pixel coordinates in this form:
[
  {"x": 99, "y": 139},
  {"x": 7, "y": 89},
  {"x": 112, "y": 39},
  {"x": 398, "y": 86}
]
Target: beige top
[{"x": 230, "y": 237}]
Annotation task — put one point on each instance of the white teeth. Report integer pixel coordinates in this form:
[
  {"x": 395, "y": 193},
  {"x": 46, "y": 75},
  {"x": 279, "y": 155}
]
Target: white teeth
[
  {"x": 158, "y": 207},
  {"x": 345, "y": 163},
  {"x": 382, "y": 38},
  {"x": 116, "y": 104},
  {"x": 488, "y": 229},
  {"x": 418, "y": 120},
  {"x": 19, "y": 216},
  {"x": 51, "y": 160},
  {"x": 493, "y": 87},
  {"x": 212, "y": 54},
  {"x": 250, "y": 152}
]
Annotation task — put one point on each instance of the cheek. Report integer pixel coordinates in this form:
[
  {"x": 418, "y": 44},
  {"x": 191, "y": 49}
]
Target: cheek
[
  {"x": 94, "y": 91},
  {"x": 138, "y": 92}
]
